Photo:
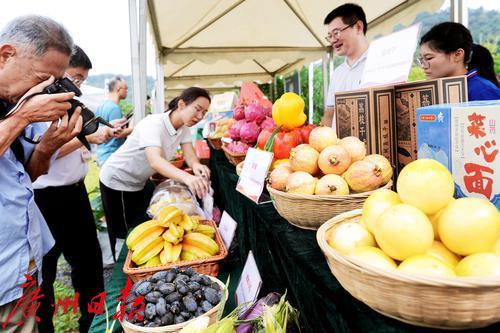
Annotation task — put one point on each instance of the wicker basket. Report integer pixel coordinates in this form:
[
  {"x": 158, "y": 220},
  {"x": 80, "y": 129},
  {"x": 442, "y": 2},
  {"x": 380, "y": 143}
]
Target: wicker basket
[
  {"x": 216, "y": 143},
  {"x": 234, "y": 159},
  {"x": 449, "y": 303},
  {"x": 212, "y": 314},
  {"x": 311, "y": 211},
  {"x": 207, "y": 266}
]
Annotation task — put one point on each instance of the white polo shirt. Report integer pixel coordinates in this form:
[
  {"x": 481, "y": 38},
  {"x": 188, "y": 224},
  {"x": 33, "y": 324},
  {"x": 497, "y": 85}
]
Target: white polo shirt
[
  {"x": 67, "y": 170},
  {"x": 128, "y": 169},
  {"x": 346, "y": 78}
]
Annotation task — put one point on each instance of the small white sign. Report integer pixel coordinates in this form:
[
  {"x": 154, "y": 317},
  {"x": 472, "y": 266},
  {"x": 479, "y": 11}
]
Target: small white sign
[
  {"x": 254, "y": 174},
  {"x": 250, "y": 282},
  {"x": 223, "y": 102},
  {"x": 227, "y": 228},
  {"x": 390, "y": 58}
]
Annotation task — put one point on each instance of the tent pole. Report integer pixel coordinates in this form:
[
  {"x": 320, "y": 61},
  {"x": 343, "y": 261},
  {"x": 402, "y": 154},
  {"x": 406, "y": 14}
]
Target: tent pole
[
  {"x": 325, "y": 78},
  {"x": 459, "y": 12},
  {"x": 160, "y": 86},
  {"x": 311, "y": 92},
  {"x": 134, "y": 51},
  {"x": 142, "y": 57}
]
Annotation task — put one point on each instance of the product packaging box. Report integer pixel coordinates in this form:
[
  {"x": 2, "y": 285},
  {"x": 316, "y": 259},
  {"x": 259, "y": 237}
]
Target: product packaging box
[
  {"x": 369, "y": 115},
  {"x": 409, "y": 97},
  {"x": 464, "y": 138}
]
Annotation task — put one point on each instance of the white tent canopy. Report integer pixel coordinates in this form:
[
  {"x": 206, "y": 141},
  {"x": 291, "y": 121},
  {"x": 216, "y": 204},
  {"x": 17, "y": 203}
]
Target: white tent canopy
[{"x": 222, "y": 43}]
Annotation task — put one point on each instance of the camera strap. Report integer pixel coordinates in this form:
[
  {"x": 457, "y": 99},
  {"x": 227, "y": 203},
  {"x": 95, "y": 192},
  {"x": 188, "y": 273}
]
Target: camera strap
[{"x": 16, "y": 145}]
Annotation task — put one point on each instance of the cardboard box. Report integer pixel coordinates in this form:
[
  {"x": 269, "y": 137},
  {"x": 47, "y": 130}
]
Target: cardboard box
[
  {"x": 369, "y": 115},
  {"x": 464, "y": 138},
  {"x": 409, "y": 97}
]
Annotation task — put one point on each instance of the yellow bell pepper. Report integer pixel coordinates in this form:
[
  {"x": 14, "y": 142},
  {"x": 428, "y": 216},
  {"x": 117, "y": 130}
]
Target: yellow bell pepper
[{"x": 288, "y": 111}]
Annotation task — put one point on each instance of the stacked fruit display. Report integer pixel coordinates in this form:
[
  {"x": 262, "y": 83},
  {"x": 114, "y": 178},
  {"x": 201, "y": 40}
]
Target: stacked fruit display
[
  {"x": 342, "y": 167},
  {"x": 173, "y": 297},
  {"x": 422, "y": 229},
  {"x": 171, "y": 237},
  {"x": 222, "y": 127}
]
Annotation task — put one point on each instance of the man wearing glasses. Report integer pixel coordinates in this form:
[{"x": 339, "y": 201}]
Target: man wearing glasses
[
  {"x": 346, "y": 34},
  {"x": 111, "y": 112}
]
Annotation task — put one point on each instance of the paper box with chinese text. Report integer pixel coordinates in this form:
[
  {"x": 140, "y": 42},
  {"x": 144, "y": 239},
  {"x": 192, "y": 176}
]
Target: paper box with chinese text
[
  {"x": 464, "y": 137},
  {"x": 409, "y": 97},
  {"x": 369, "y": 115}
]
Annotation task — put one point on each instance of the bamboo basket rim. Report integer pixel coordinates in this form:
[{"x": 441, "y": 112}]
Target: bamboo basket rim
[
  {"x": 323, "y": 197},
  {"x": 128, "y": 269},
  {"x": 232, "y": 154},
  {"x": 420, "y": 279},
  {"x": 175, "y": 327}
]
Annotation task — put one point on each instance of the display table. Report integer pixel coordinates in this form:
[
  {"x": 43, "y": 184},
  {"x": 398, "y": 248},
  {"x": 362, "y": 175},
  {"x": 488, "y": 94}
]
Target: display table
[{"x": 288, "y": 258}]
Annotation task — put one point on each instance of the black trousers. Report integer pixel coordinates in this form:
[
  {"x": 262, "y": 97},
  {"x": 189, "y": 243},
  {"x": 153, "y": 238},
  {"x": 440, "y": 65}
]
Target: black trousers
[
  {"x": 69, "y": 216},
  {"x": 124, "y": 210}
]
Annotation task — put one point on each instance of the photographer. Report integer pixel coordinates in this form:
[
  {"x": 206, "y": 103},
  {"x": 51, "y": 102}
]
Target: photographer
[
  {"x": 33, "y": 51},
  {"x": 60, "y": 194}
]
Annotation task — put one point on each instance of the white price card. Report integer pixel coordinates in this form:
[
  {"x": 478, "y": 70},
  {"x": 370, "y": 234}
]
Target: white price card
[
  {"x": 250, "y": 282},
  {"x": 390, "y": 58},
  {"x": 254, "y": 174},
  {"x": 227, "y": 228}
]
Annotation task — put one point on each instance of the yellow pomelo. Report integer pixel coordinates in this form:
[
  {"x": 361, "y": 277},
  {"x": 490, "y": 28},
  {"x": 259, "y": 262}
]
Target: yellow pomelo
[
  {"x": 496, "y": 247},
  {"x": 403, "y": 231},
  {"x": 426, "y": 184},
  {"x": 441, "y": 252},
  {"x": 427, "y": 265},
  {"x": 348, "y": 236},
  {"x": 435, "y": 218},
  {"x": 479, "y": 264},
  {"x": 469, "y": 225},
  {"x": 373, "y": 256},
  {"x": 376, "y": 204}
]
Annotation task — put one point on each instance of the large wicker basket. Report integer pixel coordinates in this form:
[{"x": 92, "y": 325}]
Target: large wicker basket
[
  {"x": 234, "y": 159},
  {"x": 207, "y": 266},
  {"x": 311, "y": 211},
  {"x": 450, "y": 303},
  {"x": 216, "y": 143},
  {"x": 211, "y": 314}
]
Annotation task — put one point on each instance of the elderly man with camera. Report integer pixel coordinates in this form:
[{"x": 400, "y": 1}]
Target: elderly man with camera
[{"x": 34, "y": 52}]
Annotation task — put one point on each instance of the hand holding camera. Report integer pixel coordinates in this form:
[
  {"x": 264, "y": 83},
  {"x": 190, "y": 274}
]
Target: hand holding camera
[{"x": 62, "y": 131}]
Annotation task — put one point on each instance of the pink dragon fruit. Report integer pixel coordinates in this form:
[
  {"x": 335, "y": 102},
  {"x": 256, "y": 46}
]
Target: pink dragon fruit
[
  {"x": 268, "y": 123},
  {"x": 268, "y": 111},
  {"x": 234, "y": 131},
  {"x": 255, "y": 112},
  {"x": 239, "y": 112},
  {"x": 249, "y": 132},
  {"x": 238, "y": 147}
]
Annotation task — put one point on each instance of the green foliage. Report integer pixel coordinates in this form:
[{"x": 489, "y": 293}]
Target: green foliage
[
  {"x": 416, "y": 73},
  {"x": 92, "y": 185},
  {"x": 65, "y": 322},
  {"x": 126, "y": 107}
]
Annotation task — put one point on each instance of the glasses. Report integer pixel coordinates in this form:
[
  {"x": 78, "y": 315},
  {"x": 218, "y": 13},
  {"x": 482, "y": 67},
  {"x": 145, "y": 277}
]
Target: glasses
[
  {"x": 422, "y": 62},
  {"x": 336, "y": 32},
  {"x": 77, "y": 80}
]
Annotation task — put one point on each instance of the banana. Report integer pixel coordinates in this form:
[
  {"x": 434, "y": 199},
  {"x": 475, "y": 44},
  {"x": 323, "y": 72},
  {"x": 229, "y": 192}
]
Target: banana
[
  {"x": 169, "y": 214},
  {"x": 206, "y": 230},
  {"x": 202, "y": 242},
  {"x": 140, "y": 232},
  {"x": 166, "y": 253},
  {"x": 195, "y": 251},
  {"x": 152, "y": 234},
  {"x": 176, "y": 252},
  {"x": 144, "y": 254}
]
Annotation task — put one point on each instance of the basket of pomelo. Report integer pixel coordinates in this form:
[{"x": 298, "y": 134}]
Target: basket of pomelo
[
  {"x": 420, "y": 256},
  {"x": 326, "y": 177}
]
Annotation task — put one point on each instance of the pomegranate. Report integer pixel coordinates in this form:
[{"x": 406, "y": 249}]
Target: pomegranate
[
  {"x": 363, "y": 176},
  {"x": 301, "y": 182},
  {"x": 278, "y": 177},
  {"x": 304, "y": 158},
  {"x": 383, "y": 163},
  {"x": 331, "y": 185},
  {"x": 322, "y": 137},
  {"x": 355, "y": 147},
  {"x": 334, "y": 160}
]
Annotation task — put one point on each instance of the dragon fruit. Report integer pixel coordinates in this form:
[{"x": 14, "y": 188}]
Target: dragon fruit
[
  {"x": 268, "y": 111},
  {"x": 239, "y": 112},
  {"x": 268, "y": 123},
  {"x": 249, "y": 132},
  {"x": 238, "y": 147},
  {"x": 255, "y": 112},
  {"x": 234, "y": 131}
]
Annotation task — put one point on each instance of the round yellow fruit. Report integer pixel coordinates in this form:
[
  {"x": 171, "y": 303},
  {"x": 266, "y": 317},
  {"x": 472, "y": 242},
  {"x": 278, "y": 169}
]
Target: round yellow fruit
[
  {"x": 441, "y": 252},
  {"x": 373, "y": 256},
  {"x": 496, "y": 247},
  {"x": 348, "y": 236},
  {"x": 469, "y": 225},
  {"x": 426, "y": 184},
  {"x": 427, "y": 265},
  {"x": 403, "y": 231},
  {"x": 376, "y": 204},
  {"x": 435, "y": 218},
  {"x": 479, "y": 264}
]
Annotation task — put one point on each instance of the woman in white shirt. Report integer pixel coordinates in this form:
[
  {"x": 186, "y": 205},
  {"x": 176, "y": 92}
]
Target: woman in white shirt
[{"x": 125, "y": 175}]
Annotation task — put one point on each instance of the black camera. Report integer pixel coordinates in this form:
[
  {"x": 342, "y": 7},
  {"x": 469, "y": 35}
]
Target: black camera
[{"x": 90, "y": 121}]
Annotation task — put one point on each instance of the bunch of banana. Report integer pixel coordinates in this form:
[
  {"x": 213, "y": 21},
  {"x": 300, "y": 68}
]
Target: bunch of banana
[
  {"x": 170, "y": 253},
  {"x": 173, "y": 234}
]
